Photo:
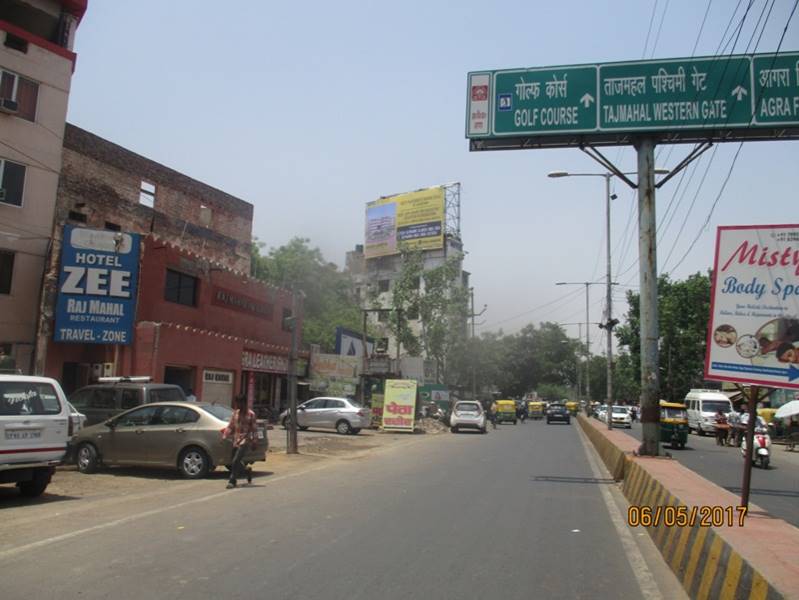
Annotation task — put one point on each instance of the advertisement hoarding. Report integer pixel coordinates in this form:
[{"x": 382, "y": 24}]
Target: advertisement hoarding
[
  {"x": 753, "y": 334},
  {"x": 399, "y": 406},
  {"x": 97, "y": 286},
  {"x": 414, "y": 220}
]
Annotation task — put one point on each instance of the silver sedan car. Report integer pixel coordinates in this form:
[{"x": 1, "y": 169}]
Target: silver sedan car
[
  {"x": 342, "y": 414},
  {"x": 182, "y": 435}
]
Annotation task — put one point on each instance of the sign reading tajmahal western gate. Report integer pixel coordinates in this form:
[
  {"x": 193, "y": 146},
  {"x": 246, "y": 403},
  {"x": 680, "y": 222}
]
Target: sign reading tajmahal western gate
[
  {"x": 97, "y": 286},
  {"x": 727, "y": 92},
  {"x": 753, "y": 334}
]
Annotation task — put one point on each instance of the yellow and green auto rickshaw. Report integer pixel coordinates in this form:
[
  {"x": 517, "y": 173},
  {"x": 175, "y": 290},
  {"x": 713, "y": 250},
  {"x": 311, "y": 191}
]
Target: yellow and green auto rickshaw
[
  {"x": 573, "y": 407},
  {"x": 535, "y": 409},
  {"x": 506, "y": 411},
  {"x": 673, "y": 424}
]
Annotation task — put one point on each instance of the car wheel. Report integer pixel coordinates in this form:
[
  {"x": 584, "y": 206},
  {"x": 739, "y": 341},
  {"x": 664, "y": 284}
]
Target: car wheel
[
  {"x": 36, "y": 486},
  {"x": 568, "y": 422},
  {"x": 355, "y": 430},
  {"x": 193, "y": 463},
  {"x": 87, "y": 458},
  {"x": 302, "y": 427},
  {"x": 343, "y": 427},
  {"x": 453, "y": 429},
  {"x": 700, "y": 431},
  {"x": 514, "y": 421},
  {"x": 484, "y": 430},
  {"x": 285, "y": 423}
]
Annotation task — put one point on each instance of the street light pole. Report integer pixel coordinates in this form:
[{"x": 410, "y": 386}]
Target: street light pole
[{"x": 587, "y": 334}]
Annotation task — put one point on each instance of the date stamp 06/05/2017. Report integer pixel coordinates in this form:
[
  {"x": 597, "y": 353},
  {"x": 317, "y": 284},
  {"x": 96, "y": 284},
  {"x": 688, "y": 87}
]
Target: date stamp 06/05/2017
[{"x": 683, "y": 516}]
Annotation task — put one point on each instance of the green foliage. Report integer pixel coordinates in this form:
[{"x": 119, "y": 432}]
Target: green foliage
[
  {"x": 328, "y": 298},
  {"x": 683, "y": 314},
  {"x": 552, "y": 392}
]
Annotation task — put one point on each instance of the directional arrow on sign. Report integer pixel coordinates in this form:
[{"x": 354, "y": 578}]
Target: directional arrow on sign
[
  {"x": 793, "y": 373},
  {"x": 739, "y": 92},
  {"x": 586, "y": 100}
]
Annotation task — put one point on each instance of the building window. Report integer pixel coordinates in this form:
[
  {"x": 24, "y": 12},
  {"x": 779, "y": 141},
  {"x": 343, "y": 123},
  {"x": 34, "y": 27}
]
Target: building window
[
  {"x": 112, "y": 226},
  {"x": 180, "y": 288},
  {"x": 12, "y": 180},
  {"x": 6, "y": 271},
  {"x": 16, "y": 42},
  {"x": 147, "y": 194},
  {"x": 383, "y": 285},
  {"x": 18, "y": 95},
  {"x": 74, "y": 215}
]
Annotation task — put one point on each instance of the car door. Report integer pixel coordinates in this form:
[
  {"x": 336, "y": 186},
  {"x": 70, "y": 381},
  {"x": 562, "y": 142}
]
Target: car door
[
  {"x": 166, "y": 433},
  {"x": 333, "y": 411},
  {"x": 311, "y": 414},
  {"x": 124, "y": 442}
]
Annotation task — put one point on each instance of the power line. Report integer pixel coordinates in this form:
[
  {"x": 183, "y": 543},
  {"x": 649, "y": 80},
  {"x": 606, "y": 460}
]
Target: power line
[{"x": 527, "y": 312}]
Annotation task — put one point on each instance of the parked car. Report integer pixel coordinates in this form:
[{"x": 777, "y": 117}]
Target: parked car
[
  {"x": 558, "y": 412},
  {"x": 342, "y": 414},
  {"x": 181, "y": 435},
  {"x": 101, "y": 401},
  {"x": 78, "y": 418},
  {"x": 35, "y": 425},
  {"x": 620, "y": 415},
  {"x": 467, "y": 415},
  {"x": 702, "y": 408}
]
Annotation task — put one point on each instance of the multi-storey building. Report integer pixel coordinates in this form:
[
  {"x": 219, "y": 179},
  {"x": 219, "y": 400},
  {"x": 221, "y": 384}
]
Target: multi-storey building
[
  {"x": 200, "y": 320},
  {"x": 36, "y": 65}
]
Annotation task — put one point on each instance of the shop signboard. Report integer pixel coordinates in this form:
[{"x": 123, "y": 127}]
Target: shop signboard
[
  {"x": 753, "y": 335},
  {"x": 268, "y": 363},
  {"x": 399, "y": 405},
  {"x": 414, "y": 220},
  {"x": 350, "y": 343},
  {"x": 97, "y": 285},
  {"x": 377, "y": 409}
]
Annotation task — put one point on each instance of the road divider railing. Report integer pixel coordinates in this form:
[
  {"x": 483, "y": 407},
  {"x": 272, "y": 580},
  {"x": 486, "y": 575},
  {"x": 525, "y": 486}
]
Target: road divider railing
[{"x": 716, "y": 548}]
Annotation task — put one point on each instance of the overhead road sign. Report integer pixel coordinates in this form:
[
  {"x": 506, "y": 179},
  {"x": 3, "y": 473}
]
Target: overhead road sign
[{"x": 673, "y": 100}]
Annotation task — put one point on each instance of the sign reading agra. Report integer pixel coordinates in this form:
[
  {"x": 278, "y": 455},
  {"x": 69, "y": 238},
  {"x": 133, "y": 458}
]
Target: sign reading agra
[
  {"x": 412, "y": 220},
  {"x": 97, "y": 286},
  {"x": 753, "y": 335}
]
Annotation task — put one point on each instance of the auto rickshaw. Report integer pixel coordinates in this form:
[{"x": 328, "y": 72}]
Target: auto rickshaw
[
  {"x": 535, "y": 409},
  {"x": 573, "y": 407},
  {"x": 506, "y": 411},
  {"x": 673, "y": 424}
]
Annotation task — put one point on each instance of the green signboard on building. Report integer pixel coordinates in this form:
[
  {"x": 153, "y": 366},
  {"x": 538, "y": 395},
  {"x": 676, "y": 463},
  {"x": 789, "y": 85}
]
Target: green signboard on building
[{"x": 718, "y": 93}]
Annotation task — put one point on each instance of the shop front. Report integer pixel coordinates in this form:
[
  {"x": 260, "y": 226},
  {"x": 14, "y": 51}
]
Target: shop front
[{"x": 264, "y": 376}]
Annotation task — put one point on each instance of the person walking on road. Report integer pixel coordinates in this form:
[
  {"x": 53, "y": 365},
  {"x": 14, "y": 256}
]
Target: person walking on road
[
  {"x": 242, "y": 430},
  {"x": 492, "y": 414},
  {"x": 722, "y": 427}
]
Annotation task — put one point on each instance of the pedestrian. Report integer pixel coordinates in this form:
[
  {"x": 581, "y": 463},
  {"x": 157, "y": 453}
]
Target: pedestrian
[
  {"x": 190, "y": 397},
  {"x": 242, "y": 431},
  {"x": 722, "y": 427},
  {"x": 633, "y": 414},
  {"x": 492, "y": 413}
]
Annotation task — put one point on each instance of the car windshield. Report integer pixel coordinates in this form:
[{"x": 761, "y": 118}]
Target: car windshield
[
  {"x": 673, "y": 413},
  {"x": 467, "y": 406},
  {"x": 220, "y": 411},
  {"x": 620, "y": 409},
  {"x": 715, "y": 406}
]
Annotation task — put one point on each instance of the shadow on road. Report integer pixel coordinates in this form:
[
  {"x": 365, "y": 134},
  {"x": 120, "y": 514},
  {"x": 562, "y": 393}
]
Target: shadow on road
[
  {"x": 764, "y": 492},
  {"x": 10, "y": 497},
  {"x": 563, "y": 479}
]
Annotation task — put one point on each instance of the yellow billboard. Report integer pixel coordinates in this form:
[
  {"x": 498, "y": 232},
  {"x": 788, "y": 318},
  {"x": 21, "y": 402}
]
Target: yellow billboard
[
  {"x": 412, "y": 220},
  {"x": 399, "y": 404}
]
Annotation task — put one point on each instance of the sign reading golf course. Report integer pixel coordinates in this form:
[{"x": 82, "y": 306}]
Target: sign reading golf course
[
  {"x": 713, "y": 93},
  {"x": 753, "y": 334}
]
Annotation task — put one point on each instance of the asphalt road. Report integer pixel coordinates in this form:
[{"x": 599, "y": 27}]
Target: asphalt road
[
  {"x": 776, "y": 489},
  {"x": 517, "y": 513}
]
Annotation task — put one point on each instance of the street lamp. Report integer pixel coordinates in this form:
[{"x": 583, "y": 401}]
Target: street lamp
[{"x": 611, "y": 322}]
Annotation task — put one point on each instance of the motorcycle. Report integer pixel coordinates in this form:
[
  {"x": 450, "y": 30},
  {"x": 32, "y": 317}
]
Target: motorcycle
[{"x": 762, "y": 447}]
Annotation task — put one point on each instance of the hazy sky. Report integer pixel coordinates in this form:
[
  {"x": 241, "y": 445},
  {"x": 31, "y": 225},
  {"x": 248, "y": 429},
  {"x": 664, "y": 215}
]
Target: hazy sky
[{"x": 311, "y": 109}]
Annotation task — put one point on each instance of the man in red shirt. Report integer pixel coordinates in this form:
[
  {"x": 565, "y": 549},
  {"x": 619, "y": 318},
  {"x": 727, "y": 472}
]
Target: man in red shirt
[{"x": 242, "y": 430}]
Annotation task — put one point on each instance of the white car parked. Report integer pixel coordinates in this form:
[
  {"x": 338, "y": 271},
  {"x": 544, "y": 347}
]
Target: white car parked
[
  {"x": 35, "y": 426},
  {"x": 620, "y": 415},
  {"x": 468, "y": 415}
]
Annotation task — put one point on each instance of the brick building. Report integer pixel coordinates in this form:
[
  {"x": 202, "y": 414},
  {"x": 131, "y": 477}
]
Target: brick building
[
  {"x": 201, "y": 322},
  {"x": 36, "y": 65}
]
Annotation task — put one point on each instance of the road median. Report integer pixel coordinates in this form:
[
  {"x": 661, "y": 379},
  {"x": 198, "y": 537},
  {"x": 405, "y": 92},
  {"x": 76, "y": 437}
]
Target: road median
[{"x": 714, "y": 549}]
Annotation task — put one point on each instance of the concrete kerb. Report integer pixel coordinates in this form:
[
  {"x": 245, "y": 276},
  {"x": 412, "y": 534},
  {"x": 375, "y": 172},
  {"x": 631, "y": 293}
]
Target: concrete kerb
[{"x": 759, "y": 560}]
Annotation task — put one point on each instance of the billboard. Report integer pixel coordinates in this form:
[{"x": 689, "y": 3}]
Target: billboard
[
  {"x": 97, "y": 286},
  {"x": 399, "y": 404},
  {"x": 753, "y": 334},
  {"x": 412, "y": 220},
  {"x": 350, "y": 343}
]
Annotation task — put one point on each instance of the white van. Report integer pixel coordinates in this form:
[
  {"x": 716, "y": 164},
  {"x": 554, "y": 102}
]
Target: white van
[
  {"x": 702, "y": 408},
  {"x": 34, "y": 431}
]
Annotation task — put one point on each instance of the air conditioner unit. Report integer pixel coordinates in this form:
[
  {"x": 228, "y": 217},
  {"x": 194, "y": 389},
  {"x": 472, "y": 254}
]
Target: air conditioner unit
[
  {"x": 9, "y": 106},
  {"x": 108, "y": 370},
  {"x": 97, "y": 371}
]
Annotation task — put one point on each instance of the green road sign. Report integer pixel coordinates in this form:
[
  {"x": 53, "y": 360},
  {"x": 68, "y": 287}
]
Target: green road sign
[
  {"x": 545, "y": 100},
  {"x": 675, "y": 94},
  {"x": 725, "y": 93}
]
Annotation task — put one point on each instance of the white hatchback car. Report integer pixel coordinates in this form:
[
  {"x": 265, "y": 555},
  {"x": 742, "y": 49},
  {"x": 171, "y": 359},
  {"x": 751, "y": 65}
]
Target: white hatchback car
[
  {"x": 467, "y": 415},
  {"x": 35, "y": 426}
]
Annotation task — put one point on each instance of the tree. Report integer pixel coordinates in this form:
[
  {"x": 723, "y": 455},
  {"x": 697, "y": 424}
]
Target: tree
[
  {"x": 328, "y": 300},
  {"x": 683, "y": 314}
]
